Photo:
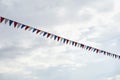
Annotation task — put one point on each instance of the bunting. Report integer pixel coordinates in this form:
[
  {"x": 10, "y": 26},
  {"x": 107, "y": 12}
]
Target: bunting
[{"x": 55, "y": 37}]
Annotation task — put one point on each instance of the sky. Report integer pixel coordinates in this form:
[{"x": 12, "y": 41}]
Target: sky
[{"x": 27, "y": 56}]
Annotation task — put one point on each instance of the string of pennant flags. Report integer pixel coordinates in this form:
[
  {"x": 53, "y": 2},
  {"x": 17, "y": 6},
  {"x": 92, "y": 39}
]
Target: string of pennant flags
[{"x": 16, "y": 24}]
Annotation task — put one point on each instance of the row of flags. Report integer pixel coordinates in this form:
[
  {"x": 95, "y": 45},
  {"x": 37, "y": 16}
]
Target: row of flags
[{"x": 55, "y": 37}]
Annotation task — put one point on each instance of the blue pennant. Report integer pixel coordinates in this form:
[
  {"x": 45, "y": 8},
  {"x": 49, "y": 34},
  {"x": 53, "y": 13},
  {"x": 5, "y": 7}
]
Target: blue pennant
[
  {"x": 64, "y": 40},
  {"x": 44, "y": 33},
  {"x": 81, "y": 45},
  {"x": 34, "y": 30},
  {"x": 113, "y": 55},
  {"x": 55, "y": 37},
  {"x": 10, "y": 22},
  {"x": 87, "y": 47},
  {"x": 104, "y": 52},
  {"x": 94, "y": 50},
  {"x": 101, "y": 51},
  {"x": 73, "y": 42},
  {"x": 22, "y": 26}
]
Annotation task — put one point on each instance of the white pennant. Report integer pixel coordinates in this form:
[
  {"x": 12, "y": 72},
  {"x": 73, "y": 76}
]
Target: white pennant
[
  {"x": 6, "y": 20},
  {"x": 41, "y": 32},
  {"x": 30, "y": 28},
  {"x": 51, "y": 36},
  {"x": 18, "y": 25}
]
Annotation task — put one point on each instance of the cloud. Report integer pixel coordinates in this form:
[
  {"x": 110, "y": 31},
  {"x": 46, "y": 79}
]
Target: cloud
[{"x": 116, "y": 77}]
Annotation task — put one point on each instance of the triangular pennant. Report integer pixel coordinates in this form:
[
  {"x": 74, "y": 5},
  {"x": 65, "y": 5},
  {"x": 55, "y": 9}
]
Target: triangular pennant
[
  {"x": 97, "y": 50},
  {"x": 76, "y": 43},
  {"x": 48, "y": 35},
  {"x": 64, "y": 40},
  {"x": 61, "y": 39},
  {"x": 119, "y": 57},
  {"x": 6, "y": 20},
  {"x": 55, "y": 37},
  {"x": 58, "y": 38},
  {"x": 87, "y": 47},
  {"x": 31, "y": 28},
  {"x": 82, "y": 45},
  {"x": 19, "y": 24},
  {"x": 15, "y": 24},
  {"x": 90, "y": 48},
  {"x": 10, "y": 22},
  {"x": 108, "y": 53},
  {"x": 41, "y": 32},
  {"x": 70, "y": 42},
  {"x": 111, "y": 54},
  {"x": 34, "y": 30},
  {"x": 67, "y": 41},
  {"x": 22, "y": 26},
  {"x": 1, "y": 19},
  {"x": 44, "y": 33},
  {"x": 104, "y": 52},
  {"x": 115, "y": 56},
  {"x": 94, "y": 49},
  {"x": 27, "y": 27},
  {"x": 38, "y": 31},
  {"x": 73, "y": 42},
  {"x": 101, "y": 51},
  {"x": 51, "y": 36}
]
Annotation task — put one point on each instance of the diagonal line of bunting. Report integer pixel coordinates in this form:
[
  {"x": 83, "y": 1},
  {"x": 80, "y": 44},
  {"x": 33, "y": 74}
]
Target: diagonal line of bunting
[{"x": 56, "y": 38}]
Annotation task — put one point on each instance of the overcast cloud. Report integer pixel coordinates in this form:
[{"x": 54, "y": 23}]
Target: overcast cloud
[{"x": 27, "y": 56}]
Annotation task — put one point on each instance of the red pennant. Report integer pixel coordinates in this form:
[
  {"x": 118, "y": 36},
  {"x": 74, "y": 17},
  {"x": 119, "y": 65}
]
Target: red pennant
[
  {"x": 90, "y": 48},
  {"x": 58, "y": 38},
  {"x": 75, "y": 43},
  {"x": 1, "y": 19},
  {"x": 38, "y": 31},
  {"x": 27, "y": 27},
  {"x": 67, "y": 41},
  {"x": 48, "y": 35},
  {"x": 15, "y": 23},
  {"x": 97, "y": 51},
  {"x": 82, "y": 45}
]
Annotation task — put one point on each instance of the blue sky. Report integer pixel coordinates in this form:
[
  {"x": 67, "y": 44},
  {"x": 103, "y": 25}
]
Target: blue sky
[{"x": 26, "y": 56}]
